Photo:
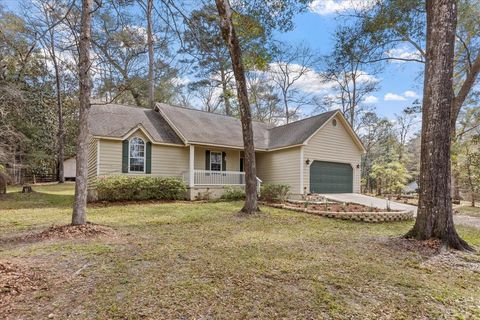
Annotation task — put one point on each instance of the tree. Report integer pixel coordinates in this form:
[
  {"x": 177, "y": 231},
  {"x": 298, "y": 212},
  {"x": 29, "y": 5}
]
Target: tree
[
  {"x": 291, "y": 64},
  {"x": 230, "y": 37},
  {"x": 51, "y": 13},
  {"x": 435, "y": 214},
  {"x": 79, "y": 215},
  {"x": 265, "y": 103},
  {"x": 405, "y": 122},
  {"x": 210, "y": 56},
  {"x": 206, "y": 92},
  {"x": 396, "y": 31},
  {"x": 391, "y": 177},
  {"x": 469, "y": 163},
  {"x": 151, "y": 58},
  {"x": 122, "y": 44},
  {"x": 204, "y": 42},
  {"x": 376, "y": 136},
  {"x": 348, "y": 71}
]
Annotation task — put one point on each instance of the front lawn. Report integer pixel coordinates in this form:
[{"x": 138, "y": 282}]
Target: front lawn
[
  {"x": 200, "y": 261},
  {"x": 469, "y": 211}
]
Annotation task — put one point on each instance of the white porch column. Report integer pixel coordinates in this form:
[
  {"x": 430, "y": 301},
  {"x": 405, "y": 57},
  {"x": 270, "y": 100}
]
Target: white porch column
[
  {"x": 191, "y": 172},
  {"x": 302, "y": 166}
]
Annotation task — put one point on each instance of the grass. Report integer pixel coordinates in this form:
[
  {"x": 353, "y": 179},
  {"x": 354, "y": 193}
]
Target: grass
[
  {"x": 469, "y": 211},
  {"x": 191, "y": 260}
]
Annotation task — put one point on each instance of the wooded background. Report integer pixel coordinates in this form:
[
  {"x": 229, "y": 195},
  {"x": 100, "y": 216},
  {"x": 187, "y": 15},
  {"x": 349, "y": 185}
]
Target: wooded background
[{"x": 173, "y": 52}]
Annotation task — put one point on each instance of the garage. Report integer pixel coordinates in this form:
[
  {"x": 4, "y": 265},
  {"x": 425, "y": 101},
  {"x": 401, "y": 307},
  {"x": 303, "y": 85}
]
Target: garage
[{"x": 331, "y": 177}]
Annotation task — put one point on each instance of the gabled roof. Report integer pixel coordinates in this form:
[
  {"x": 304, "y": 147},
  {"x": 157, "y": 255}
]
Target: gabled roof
[
  {"x": 116, "y": 121},
  {"x": 182, "y": 126},
  {"x": 196, "y": 126},
  {"x": 297, "y": 132}
]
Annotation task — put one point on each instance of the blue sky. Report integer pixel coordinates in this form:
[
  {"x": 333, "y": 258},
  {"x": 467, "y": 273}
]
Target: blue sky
[
  {"x": 397, "y": 78},
  {"x": 400, "y": 83}
]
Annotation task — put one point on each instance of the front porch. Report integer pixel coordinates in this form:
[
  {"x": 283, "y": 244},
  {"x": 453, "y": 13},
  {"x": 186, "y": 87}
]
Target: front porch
[{"x": 213, "y": 169}]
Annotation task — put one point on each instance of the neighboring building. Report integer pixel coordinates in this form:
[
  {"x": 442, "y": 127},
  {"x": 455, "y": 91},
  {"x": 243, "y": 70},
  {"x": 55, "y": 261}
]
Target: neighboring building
[
  {"x": 412, "y": 187},
  {"x": 320, "y": 154},
  {"x": 70, "y": 168}
]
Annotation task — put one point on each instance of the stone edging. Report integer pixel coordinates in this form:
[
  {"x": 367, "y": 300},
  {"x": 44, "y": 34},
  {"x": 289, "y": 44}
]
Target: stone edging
[{"x": 374, "y": 217}]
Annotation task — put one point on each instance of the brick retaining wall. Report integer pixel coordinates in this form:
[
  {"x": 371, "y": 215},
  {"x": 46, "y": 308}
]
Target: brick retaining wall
[{"x": 354, "y": 216}]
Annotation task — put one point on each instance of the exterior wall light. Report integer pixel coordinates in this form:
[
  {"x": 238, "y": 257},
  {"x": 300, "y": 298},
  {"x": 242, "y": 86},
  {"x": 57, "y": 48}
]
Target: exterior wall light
[{"x": 307, "y": 162}]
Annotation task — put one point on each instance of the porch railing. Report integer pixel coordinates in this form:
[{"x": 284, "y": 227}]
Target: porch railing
[
  {"x": 208, "y": 177},
  {"x": 219, "y": 178}
]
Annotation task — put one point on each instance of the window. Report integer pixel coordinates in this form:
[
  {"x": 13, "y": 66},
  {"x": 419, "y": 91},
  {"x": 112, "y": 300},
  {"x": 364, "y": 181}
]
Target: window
[
  {"x": 136, "y": 155},
  {"x": 334, "y": 122},
  {"x": 216, "y": 161}
]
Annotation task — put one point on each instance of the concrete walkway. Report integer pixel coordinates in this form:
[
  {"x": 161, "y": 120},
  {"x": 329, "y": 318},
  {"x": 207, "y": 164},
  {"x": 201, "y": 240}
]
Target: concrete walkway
[
  {"x": 382, "y": 204},
  {"x": 369, "y": 201}
]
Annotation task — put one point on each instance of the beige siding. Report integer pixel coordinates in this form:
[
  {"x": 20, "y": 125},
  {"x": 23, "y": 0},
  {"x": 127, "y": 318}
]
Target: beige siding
[
  {"x": 110, "y": 160},
  {"x": 171, "y": 161},
  {"x": 232, "y": 158},
  {"x": 92, "y": 163},
  {"x": 333, "y": 144},
  {"x": 282, "y": 166}
]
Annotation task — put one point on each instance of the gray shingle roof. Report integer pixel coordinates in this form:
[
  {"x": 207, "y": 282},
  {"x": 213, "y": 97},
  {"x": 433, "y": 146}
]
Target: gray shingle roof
[
  {"x": 196, "y": 126},
  {"x": 115, "y": 120},
  {"x": 204, "y": 127},
  {"x": 297, "y": 132},
  {"x": 210, "y": 128}
]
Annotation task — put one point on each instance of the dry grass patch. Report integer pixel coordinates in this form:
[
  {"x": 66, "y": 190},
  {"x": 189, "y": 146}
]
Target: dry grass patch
[{"x": 201, "y": 261}]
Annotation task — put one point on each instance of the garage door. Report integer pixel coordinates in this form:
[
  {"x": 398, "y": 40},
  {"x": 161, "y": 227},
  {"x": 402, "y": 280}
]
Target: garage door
[{"x": 331, "y": 177}]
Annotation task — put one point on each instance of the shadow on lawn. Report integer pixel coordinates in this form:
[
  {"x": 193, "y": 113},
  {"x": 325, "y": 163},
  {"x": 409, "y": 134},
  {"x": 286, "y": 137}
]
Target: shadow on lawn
[{"x": 33, "y": 200}]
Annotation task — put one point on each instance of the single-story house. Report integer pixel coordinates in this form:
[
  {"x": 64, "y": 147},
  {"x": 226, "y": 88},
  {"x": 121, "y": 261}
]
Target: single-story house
[
  {"x": 319, "y": 154},
  {"x": 70, "y": 168}
]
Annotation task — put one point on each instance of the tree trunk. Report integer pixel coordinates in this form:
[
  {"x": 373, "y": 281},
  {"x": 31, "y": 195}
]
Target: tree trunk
[
  {"x": 79, "y": 215},
  {"x": 465, "y": 89},
  {"x": 60, "y": 133},
  {"x": 231, "y": 40},
  {"x": 285, "y": 103},
  {"x": 435, "y": 214},
  {"x": 226, "y": 98},
  {"x": 353, "y": 102},
  {"x": 151, "y": 75}
]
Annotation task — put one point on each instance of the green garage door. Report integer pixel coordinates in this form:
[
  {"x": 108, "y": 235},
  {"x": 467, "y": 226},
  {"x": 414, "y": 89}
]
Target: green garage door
[{"x": 331, "y": 177}]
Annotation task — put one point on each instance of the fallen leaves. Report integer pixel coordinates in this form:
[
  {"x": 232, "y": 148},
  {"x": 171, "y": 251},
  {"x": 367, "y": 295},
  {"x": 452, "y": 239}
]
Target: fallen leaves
[{"x": 16, "y": 280}]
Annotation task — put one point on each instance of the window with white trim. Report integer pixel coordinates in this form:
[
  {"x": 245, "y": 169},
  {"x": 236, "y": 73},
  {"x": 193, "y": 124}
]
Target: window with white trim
[
  {"x": 215, "y": 161},
  {"x": 136, "y": 159}
]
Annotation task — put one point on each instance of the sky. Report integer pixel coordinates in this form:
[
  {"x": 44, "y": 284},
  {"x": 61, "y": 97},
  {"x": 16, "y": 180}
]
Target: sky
[{"x": 400, "y": 82}]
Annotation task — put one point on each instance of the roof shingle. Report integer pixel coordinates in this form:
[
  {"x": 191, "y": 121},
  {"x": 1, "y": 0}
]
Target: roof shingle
[
  {"x": 113, "y": 120},
  {"x": 198, "y": 127}
]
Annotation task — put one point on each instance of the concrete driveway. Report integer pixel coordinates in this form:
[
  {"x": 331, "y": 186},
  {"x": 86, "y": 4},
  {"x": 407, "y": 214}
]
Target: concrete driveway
[
  {"x": 382, "y": 204},
  {"x": 369, "y": 201}
]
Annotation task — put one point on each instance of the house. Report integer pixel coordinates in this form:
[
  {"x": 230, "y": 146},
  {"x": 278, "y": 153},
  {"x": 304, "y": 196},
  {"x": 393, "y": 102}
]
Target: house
[
  {"x": 70, "y": 168},
  {"x": 320, "y": 154},
  {"x": 412, "y": 187}
]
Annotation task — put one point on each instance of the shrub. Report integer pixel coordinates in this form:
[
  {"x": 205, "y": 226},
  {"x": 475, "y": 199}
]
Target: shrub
[
  {"x": 274, "y": 192},
  {"x": 233, "y": 194},
  {"x": 114, "y": 188}
]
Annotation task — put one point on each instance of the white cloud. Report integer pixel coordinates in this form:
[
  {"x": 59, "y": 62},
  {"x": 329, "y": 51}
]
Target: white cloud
[
  {"x": 326, "y": 7},
  {"x": 403, "y": 53},
  {"x": 410, "y": 94},
  {"x": 393, "y": 97},
  {"x": 312, "y": 81},
  {"x": 370, "y": 99},
  {"x": 181, "y": 81}
]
